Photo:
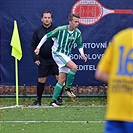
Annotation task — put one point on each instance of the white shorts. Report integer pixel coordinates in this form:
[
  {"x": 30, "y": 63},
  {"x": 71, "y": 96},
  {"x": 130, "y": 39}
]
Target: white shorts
[{"x": 61, "y": 60}]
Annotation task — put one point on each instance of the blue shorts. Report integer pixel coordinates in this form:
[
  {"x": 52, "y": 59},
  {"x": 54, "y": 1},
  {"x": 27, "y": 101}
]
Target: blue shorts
[{"x": 118, "y": 127}]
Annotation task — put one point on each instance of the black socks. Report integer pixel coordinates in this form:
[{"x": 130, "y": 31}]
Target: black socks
[{"x": 40, "y": 89}]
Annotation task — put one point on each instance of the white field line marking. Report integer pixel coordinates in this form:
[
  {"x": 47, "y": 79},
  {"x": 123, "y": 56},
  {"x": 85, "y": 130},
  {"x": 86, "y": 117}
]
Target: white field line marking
[
  {"x": 52, "y": 121},
  {"x": 22, "y": 106},
  {"x": 10, "y": 107},
  {"x": 65, "y": 107}
]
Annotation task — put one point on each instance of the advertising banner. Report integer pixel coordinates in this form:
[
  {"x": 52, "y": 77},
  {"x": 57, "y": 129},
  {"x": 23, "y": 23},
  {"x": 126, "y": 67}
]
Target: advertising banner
[{"x": 99, "y": 21}]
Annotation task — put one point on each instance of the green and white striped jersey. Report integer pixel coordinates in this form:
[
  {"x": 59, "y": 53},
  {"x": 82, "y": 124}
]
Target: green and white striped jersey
[{"x": 65, "y": 39}]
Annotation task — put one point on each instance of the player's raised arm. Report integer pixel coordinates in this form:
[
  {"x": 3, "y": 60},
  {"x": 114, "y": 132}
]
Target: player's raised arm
[{"x": 43, "y": 40}]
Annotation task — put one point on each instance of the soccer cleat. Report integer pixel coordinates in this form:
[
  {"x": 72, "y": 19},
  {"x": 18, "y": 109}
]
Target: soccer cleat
[
  {"x": 70, "y": 93},
  {"x": 37, "y": 103},
  {"x": 53, "y": 103},
  {"x": 59, "y": 101}
]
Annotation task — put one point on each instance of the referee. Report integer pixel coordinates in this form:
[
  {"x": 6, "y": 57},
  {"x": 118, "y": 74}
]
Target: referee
[{"x": 44, "y": 61}]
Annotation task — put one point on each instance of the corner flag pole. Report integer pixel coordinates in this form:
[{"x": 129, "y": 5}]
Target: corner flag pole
[
  {"x": 17, "y": 53},
  {"x": 16, "y": 70}
]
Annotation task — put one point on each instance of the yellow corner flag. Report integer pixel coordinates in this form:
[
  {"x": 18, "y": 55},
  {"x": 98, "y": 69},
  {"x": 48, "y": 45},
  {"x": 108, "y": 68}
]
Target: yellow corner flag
[
  {"x": 15, "y": 43},
  {"x": 17, "y": 53}
]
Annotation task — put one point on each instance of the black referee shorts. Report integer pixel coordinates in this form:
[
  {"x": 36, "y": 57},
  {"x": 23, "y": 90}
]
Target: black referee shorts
[{"x": 47, "y": 67}]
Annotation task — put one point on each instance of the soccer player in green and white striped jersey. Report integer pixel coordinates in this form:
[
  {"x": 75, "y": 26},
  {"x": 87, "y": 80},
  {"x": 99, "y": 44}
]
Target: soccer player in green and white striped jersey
[{"x": 64, "y": 39}]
